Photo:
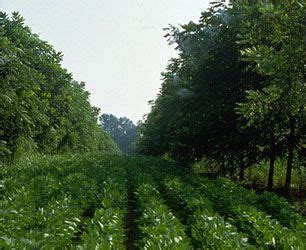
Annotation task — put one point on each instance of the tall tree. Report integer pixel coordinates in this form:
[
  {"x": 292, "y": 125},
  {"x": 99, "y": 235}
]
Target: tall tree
[
  {"x": 273, "y": 36},
  {"x": 200, "y": 91},
  {"x": 236, "y": 91},
  {"x": 122, "y": 130},
  {"x": 42, "y": 109}
]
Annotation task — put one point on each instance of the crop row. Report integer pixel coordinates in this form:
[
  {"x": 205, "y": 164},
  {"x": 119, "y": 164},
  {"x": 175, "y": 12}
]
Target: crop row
[
  {"x": 160, "y": 229},
  {"x": 82, "y": 202},
  {"x": 106, "y": 229},
  {"x": 207, "y": 228},
  {"x": 249, "y": 221},
  {"x": 276, "y": 206},
  {"x": 50, "y": 202},
  {"x": 261, "y": 228},
  {"x": 267, "y": 220}
]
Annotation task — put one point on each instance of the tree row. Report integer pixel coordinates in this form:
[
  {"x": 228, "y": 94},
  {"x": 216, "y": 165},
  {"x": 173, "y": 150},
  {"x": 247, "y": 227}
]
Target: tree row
[
  {"x": 42, "y": 108},
  {"x": 235, "y": 94}
]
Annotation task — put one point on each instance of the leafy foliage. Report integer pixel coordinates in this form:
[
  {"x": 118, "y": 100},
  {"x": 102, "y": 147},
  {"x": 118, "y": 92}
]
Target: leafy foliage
[
  {"x": 236, "y": 91},
  {"x": 160, "y": 228},
  {"x": 42, "y": 108},
  {"x": 121, "y": 130},
  {"x": 77, "y": 202},
  {"x": 241, "y": 208},
  {"x": 208, "y": 229}
]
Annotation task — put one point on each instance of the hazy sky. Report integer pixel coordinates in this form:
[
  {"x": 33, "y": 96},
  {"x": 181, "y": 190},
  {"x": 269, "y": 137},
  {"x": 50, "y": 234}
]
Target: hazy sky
[{"x": 115, "y": 46}]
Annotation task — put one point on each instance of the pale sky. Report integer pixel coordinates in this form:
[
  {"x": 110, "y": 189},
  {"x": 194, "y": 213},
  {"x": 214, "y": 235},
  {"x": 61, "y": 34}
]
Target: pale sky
[{"x": 115, "y": 46}]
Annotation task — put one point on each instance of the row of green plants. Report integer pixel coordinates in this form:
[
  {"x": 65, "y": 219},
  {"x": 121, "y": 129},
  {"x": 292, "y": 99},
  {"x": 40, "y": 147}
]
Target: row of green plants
[
  {"x": 206, "y": 227},
  {"x": 245, "y": 219},
  {"x": 81, "y": 201},
  {"x": 159, "y": 227},
  {"x": 278, "y": 207},
  {"x": 59, "y": 201},
  {"x": 106, "y": 229},
  {"x": 33, "y": 209},
  {"x": 262, "y": 230},
  {"x": 25, "y": 226},
  {"x": 267, "y": 220}
]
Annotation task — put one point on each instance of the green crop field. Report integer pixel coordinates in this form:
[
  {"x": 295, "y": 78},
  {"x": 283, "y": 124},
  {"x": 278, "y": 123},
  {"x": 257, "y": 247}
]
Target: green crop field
[
  {"x": 217, "y": 160},
  {"x": 94, "y": 201}
]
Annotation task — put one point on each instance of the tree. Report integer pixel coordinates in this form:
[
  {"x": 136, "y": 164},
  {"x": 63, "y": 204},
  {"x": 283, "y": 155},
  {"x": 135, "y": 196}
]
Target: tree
[
  {"x": 274, "y": 43},
  {"x": 121, "y": 130},
  {"x": 235, "y": 93},
  {"x": 42, "y": 109},
  {"x": 200, "y": 91}
]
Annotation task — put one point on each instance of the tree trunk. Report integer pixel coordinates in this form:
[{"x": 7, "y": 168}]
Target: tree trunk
[
  {"x": 241, "y": 173},
  {"x": 290, "y": 155},
  {"x": 289, "y": 170},
  {"x": 223, "y": 166},
  {"x": 231, "y": 168},
  {"x": 272, "y": 161},
  {"x": 271, "y": 172}
]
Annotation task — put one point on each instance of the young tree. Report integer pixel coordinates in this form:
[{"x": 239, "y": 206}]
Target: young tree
[{"x": 273, "y": 36}]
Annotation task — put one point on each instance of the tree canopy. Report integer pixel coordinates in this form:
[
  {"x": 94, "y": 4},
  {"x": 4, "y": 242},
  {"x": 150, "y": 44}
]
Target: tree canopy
[
  {"x": 42, "y": 108},
  {"x": 236, "y": 92},
  {"x": 122, "y": 130}
]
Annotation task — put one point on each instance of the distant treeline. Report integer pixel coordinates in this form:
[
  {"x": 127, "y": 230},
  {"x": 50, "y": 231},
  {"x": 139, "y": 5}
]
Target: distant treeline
[
  {"x": 236, "y": 93},
  {"x": 122, "y": 130},
  {"x": 42, "y": 109}
]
